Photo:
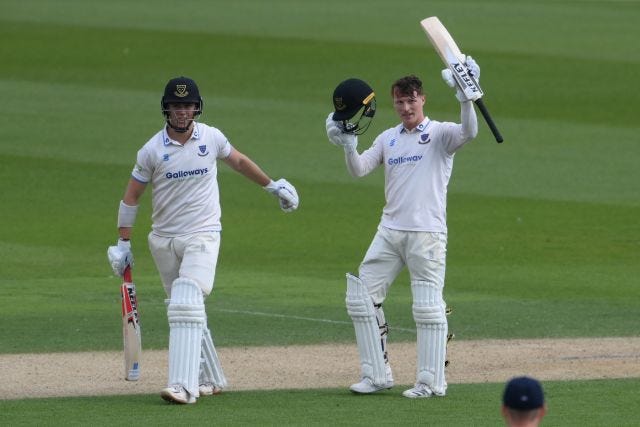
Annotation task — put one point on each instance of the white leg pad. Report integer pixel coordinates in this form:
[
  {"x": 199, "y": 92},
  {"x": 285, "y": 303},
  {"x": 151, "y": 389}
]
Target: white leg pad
[
  {"x": 363, "y": 313},
  {"x": 210, "y": 368},
  {"x": 187, "y": 318},
  {"x": 431, "y": 324}
]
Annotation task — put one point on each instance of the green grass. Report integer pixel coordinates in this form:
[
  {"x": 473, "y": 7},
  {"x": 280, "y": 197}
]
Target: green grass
[
  {"x": 544, "y": 237},
  {"x": 570, "y": 403}
]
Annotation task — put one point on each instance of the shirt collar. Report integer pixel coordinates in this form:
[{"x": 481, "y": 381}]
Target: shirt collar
[
  {"x": 421, "y": 127},
  {"x": 166, "y": 140}
]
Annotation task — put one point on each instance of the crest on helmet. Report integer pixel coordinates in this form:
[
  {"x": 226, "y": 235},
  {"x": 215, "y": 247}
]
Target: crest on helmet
[
  {"x": 350, "y": 97},
  {"x": 181, "y": 91},
  {"x": 339, "y": 104}
]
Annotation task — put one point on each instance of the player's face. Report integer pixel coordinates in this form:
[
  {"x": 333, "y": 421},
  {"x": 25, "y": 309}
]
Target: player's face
[
  {"x": 181, "y": 115},
  {"x": 409, "y": 108}
]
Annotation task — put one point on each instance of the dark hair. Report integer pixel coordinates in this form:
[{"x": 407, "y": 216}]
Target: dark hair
[{"x": 407, "y": 85}]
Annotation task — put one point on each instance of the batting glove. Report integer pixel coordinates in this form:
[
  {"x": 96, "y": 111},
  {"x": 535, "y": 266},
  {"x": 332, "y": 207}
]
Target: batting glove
[
  {"x": 286, "y": 194},
  {"x": 120, "y": 256},
  {"x": 337, "y": 137},
  {"x": 474, "y": 70},
  {"x": 447, "y": 76}
]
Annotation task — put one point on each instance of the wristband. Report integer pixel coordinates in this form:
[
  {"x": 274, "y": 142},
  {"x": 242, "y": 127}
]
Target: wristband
[
  {"x": 126, "y": 215},
  {"x": 271, "y": 187}
]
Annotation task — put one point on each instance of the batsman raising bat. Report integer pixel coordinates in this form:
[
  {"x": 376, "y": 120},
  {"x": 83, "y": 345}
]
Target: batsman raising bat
[
  {"x": 417, "y": 156},
  {"x": 179, "y": 163}
]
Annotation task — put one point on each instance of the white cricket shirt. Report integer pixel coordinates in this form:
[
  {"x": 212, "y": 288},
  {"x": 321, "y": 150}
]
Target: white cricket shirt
[
  {"x": 417, "y": 168},
  {"x": 185, "y": 195}
]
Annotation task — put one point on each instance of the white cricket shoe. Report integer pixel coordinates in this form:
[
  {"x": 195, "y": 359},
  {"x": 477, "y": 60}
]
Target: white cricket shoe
[
  {"x": 177, "y": 394},
  {"x": 366, "y": 386},
  {"x": 209, "y": 389},
  {"x": 420, "y": 390}
]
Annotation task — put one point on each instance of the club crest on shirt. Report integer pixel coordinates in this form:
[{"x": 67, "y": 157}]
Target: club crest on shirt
[
  {"x": 424, "y": 138},
  {"x": 203, "y": 150}
]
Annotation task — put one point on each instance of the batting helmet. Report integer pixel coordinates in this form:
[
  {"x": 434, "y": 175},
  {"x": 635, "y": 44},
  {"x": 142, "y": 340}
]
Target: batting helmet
[
  {"x": 181, "y": 90},
  {"x": 349, "y": 97}
]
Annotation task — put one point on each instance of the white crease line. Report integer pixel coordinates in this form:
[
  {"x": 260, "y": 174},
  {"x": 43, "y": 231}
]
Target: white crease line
[{"x": 310, "y": 319}]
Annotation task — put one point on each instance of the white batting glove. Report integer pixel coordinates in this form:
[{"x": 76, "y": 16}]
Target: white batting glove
[
  {"x": 474, "y": 68},
  {"x": 286, "y": 194},
  {"x": 347, "y": 141},
  {"x": 120, "y": 256},
  {"x": 447, "y": 76}
]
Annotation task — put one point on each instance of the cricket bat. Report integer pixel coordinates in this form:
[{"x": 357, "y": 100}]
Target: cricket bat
[
  {"x": 130, "y": 327},
  {"x": 455, "y": 61}
]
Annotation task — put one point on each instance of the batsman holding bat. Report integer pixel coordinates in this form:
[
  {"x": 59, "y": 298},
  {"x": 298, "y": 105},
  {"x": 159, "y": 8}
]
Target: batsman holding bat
[
  {"x": 180, "y": 164},
  {"x": 417, "y": 156}
]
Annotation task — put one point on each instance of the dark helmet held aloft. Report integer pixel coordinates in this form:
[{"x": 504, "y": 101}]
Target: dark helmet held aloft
[
  {"x": 349, "y": 97},
  {"x": 181, "y": 90}
]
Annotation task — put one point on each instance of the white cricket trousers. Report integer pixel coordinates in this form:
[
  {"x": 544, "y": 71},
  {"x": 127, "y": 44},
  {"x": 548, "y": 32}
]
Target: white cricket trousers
[
  {"x": 424, "y": 254},
  {"x": 193, "y": 256}
]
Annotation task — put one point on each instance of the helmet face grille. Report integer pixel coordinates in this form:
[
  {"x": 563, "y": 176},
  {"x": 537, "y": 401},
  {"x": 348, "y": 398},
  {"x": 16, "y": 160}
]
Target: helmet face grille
[
  {"x": 362, "y": 123},
  {"x": 181, "y": 90}
]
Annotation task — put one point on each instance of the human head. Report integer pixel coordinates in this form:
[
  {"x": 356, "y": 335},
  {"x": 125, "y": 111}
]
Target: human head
[
  {"x": 181, "y": 91},
  {"x": 408, "y": 100},
  {"x": 349, "y": 97},
  {"x": 523, "y": 402}
]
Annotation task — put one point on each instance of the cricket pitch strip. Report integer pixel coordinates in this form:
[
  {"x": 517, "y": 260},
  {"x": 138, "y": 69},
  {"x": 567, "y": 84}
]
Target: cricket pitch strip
[{"x": 321, "y": 366}]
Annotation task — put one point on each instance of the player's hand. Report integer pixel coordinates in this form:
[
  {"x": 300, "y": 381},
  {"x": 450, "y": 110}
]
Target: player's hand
[
  {"x": 337, "y": 137},
  {"x": 474, "y": 68},
  {"x": 286, "y": 194},
  {"x": 120, "y": 256},
  {"x": 447, "y": 76}
]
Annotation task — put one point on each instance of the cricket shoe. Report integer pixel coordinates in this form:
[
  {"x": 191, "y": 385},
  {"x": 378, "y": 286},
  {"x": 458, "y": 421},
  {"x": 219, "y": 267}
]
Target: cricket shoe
[
  {"x": 366, "y": 385},
  {"x": 209, "y": 389},
  {"x": 177, "y": 394},
  {"x": 420, "y": 390}
]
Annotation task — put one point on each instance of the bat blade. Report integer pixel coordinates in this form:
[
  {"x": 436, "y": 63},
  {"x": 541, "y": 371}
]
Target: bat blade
[
  {"x": 454, "y": 59},
  {"x": 131, "y": 333}
]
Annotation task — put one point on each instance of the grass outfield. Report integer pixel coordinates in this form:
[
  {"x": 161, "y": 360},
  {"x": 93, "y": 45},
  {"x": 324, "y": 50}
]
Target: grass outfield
[
  {"x": 544, "y": 235},
  {"x": 572, "y": 403}
]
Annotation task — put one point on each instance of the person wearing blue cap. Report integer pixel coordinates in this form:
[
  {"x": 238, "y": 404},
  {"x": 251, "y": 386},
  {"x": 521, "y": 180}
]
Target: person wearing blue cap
[{"x": 523, "y": 402}]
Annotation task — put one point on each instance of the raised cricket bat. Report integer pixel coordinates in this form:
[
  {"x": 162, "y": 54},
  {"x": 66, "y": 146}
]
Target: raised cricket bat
[
  {"x": 455, "y": 61},
  {"x": 130, "y": 328}
]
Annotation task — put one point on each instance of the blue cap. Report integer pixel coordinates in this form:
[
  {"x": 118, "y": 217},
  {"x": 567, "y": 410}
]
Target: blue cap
[{"x": 523, "y": 394}]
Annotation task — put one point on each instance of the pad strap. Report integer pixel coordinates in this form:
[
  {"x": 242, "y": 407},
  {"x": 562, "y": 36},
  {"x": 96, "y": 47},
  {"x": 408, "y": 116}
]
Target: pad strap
[{"x": 210, "y": 368}]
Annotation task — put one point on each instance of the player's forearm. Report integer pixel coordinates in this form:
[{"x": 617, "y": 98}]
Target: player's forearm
[
  {"x": 128, "y": 208},
  {"x": 248, "y": 168},
  {"x": 125, "y": 233},
  {"x": 354, "y": 163},
  {"x": 468, "y": 120}
]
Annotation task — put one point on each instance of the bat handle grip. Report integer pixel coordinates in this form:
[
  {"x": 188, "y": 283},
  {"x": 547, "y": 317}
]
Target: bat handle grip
[
  {"x": 489, "y": 120},
  {"x": 127, "y": 274}
]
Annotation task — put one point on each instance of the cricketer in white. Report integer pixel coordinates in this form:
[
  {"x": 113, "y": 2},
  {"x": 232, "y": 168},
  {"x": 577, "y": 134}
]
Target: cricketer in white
[
  {"x": 417, "y": 156},
  {"x": 180, "y": 163}
]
